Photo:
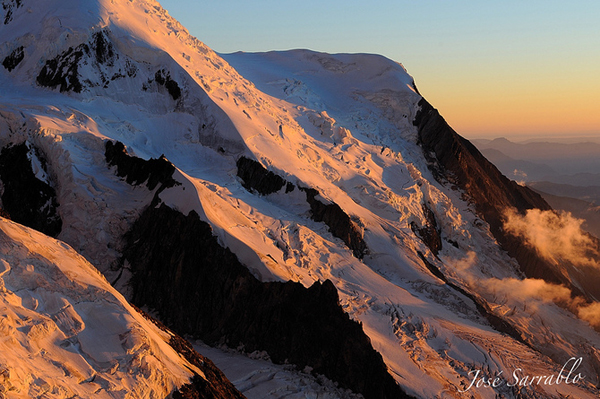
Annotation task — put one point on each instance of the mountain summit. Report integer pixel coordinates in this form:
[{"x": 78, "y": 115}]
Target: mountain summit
[{"x": 312, "y": 208}]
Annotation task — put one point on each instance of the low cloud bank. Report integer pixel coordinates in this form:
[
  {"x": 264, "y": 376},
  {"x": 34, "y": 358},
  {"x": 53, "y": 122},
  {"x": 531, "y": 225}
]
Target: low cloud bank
[
  {"x": 529, "y": 293},
  {"x": 534, "y": 292},
  {"x": 558, "y": 237}
]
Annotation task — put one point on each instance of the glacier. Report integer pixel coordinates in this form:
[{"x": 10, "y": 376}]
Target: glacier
[{"x": 286, "y": 160}]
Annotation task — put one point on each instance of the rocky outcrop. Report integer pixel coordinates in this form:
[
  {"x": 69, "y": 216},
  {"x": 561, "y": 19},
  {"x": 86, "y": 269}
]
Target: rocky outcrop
[
  {"x": 11, "y": 61},
  {"x": 62, "y": 71},
  {"x": 457, "y": 161},
  {"x": 429, "y": 232},
  {"x": 27, "y": 199},
  {"x": 201, "y": 289},
  {"x": 103, "y": 49},
  {"x": 8, "y": 7},
  {"x": 163, "y": 78},
  {"x": 136, "y": 170},
  {"x": 256, "y": 177},
  {"x": 338, "y": 221},
  {"x": 213, "y": 384}
]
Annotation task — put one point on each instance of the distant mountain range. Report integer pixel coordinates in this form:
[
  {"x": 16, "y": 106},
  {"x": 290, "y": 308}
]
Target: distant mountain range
[
  {"x": 566, "y": 163},
  {"x": 567, "y": 175}
]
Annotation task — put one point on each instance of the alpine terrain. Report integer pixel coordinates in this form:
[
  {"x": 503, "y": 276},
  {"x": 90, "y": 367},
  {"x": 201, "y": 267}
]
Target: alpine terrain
[{"x": 303, "y": 213}]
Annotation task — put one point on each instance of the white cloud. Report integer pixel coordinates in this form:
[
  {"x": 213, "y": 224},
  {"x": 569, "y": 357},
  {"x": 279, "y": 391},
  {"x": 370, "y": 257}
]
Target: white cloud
[
  {"x": 557, "y": 237},
  {"x": 535, "y": 292}
]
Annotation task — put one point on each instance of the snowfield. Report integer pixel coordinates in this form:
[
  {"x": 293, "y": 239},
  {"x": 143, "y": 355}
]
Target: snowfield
[
  {"x": 66, "y": 332},
  {"x": 341, "y": 124}
]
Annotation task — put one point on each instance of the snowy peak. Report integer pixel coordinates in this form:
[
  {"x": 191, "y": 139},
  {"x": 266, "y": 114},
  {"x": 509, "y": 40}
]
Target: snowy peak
[
  {"x": 67, "y": 332},
  {"x": 325, "y": 183},
  {"x": 84, "y": 55},
  {"x": 109, "y": 36},
  {"x": 339, "y": 84},
  {"x": 69, "y": 17}
]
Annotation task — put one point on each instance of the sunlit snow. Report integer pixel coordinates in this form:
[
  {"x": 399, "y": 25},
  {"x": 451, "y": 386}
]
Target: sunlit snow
[{"x": 341, "y": 124}]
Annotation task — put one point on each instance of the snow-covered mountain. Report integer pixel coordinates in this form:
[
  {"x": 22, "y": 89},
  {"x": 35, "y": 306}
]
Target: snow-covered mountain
[
  {"x": 310, "y": 207},
  {"x": 67, "y": 333}
]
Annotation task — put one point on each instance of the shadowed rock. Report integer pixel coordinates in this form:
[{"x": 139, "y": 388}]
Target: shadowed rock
[
  {"x": 9, "y": 6},
  {"x": 255, "y": 177},
  {"x": 429, "y": 233},
  {"x": 27, "y": 199},
  {"x": 339, "y": 223},
  {"x": 201, "y": 289},
  {"x": 460, "y": 163},
  {"x": 136, "y": 170},
  {"x": 4, "y": 214},
  {"x": 62, "y": 70},
  {"x": 13, "y": 59},
  {"x": 213, "y": 384},
  {"x": 163, "y": 78}
]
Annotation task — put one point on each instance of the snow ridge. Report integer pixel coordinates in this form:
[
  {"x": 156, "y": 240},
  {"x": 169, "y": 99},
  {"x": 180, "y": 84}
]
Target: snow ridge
[
  {"x": 68, "y": 332},
  {"x": 77, "y": 75}
]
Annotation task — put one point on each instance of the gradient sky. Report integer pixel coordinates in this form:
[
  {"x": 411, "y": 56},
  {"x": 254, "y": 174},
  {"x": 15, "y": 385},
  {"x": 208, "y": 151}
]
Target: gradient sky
[{"x": 516, "y": 69}]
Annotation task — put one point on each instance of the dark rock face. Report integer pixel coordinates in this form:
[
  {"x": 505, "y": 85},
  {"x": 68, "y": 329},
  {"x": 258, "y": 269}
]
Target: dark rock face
[
  {"x": 28, "y": 200},
  {"x": 215, "y": 386},
  {"x": 8, "y": 6},
  {"x": 13, "y": 59},
  {"x": 62, "y": 70},
  {"x": 103, "y": 49},
  {"x": 200, "y": 388},
  {"x": 340, "y": 224},
  {"x": 430, "y": 233},
  {"x": 256, "y": 177},
  {"x": 137, "y": 171},
  {"x": 201, "y": 289},
  {"x": 459, "y": 162},
  {"x": 163, "y": 78},
  {"x": 4, "y": 214}
]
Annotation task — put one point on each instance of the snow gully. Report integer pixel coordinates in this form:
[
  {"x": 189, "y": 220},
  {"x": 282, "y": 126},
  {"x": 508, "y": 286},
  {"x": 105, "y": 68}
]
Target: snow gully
[{"x": 528, "y": 380}]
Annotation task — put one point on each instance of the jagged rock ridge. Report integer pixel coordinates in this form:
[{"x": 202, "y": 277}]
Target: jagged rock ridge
[
  {"x": 211, "y": 384},
  {"x": 63, "y": 70},
  {"x": 201, "y": 289},
  {"x": 27, "y": 199},
  {"x": 459, "y": 162},
  {"x": 137, "y": 171}
]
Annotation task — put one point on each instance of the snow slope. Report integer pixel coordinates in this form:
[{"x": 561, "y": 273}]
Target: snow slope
[
  {"x": 341, "y": 124},
  {"x": 258, "y": 378},
  {"x": 66, "y": 332}
]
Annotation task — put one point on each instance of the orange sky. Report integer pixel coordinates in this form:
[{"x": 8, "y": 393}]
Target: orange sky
[{"x": 552, "y": 100}]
